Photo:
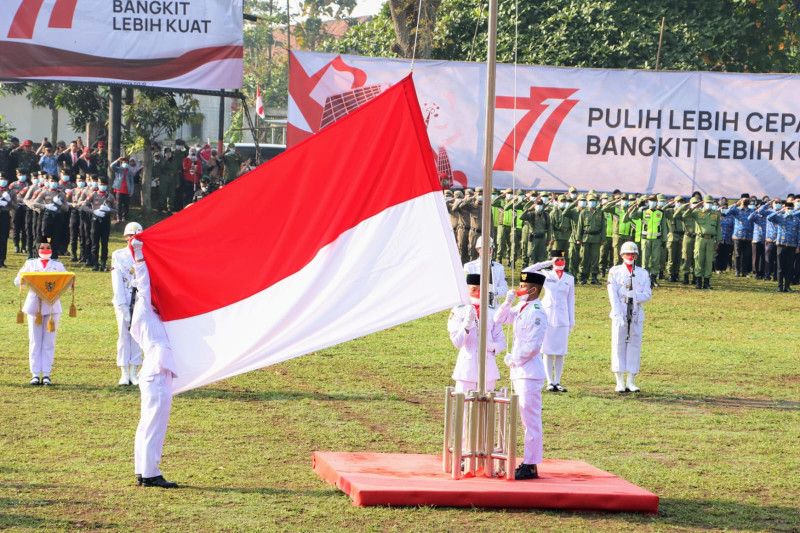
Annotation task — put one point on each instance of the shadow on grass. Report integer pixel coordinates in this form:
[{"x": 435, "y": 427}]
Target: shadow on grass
[
  {"x": 266, "y": 396},
  {"x": 716, "y": 401},
  {"x": 268, "y": 491}
]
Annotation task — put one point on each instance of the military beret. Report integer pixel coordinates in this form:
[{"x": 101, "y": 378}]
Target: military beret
[
  {"x": 591, "y": 196},
  {"x": 473, "y": 279},
  {"x": 631, "y": 197},
  {"x": 708, "y": 198},
  {"x": 678, "y": 198},
  {"x": 652, "y": 197},
  {"x": 531, "y": 277},
  {"x": 556, "y": 253},
  {"x": 459, "y": 194},
  {"x": 573, "y": 189},
  {"x": 660, "y": 197},
  {"x": 562, "y": 198}
]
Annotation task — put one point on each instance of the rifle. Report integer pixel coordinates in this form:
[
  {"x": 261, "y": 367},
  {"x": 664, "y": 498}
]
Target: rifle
[
  {"x": 133, "y": 303},
  {"x": 629, "y": 303}
]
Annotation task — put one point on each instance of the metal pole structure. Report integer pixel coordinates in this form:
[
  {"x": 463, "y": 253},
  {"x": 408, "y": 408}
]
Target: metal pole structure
[
  {"x": 114, "y": 124},
  {"x": 221, "y": 128},
  {"x": 486, "y": 216},
  {"x": 660, "y": 39}
]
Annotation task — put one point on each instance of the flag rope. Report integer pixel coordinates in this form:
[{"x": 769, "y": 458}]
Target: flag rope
[{"x": 416, "y": 34}]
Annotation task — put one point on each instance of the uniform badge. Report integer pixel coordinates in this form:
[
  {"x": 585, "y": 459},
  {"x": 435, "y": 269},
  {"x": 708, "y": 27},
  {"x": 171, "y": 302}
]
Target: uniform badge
[{"x": 538, "y": 321}]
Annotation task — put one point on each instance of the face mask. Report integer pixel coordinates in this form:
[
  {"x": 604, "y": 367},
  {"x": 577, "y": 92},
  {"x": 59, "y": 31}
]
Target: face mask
[
  {"x": 625, "y": 203},
  {"x": 563, "y": 205},
  {"x": 661, "y": 204},
  {"x": 603, "y": 201},
  {"x": 628, "y": 261},
  {"x": 3, "y": 183},
  {"x": 546, "y": 200},
  {"x": 559, "y": 264},
  {"x": 124, "y": 165},
  {"x": 475, "y": 301},
  {"x": 192, "y": 157},
  {"x": 45, "y": 254},
  {"x": 724, "y": 210},
  {"x": 581, "y": 204},
  {"x": 776, "y": 206},
  {"x": 573, "y": 195},
  {"x": 104, "y": 188},
  {"x": 52, "y": 185},
  {"x": 651, "y": 205},
  {"x": 204, "y": 189},
  {"x": 751, "y": 206},
  {"x": 538, "y": 208},
  {"x": 592, "y": 204},
  {"x": 35, "y": 181},
  {"x": 479, "y": 198},
  {"x": 714, "y": 207},
  {"x": 65, "y": 178},
  {"x": 81, "y": 184},
  {"x": 23, "y": 177},
  {"x": 706, "y": 206}
]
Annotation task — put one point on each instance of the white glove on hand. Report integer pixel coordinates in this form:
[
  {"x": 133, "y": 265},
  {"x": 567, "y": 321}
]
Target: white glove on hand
[
  {"x": 105, "y": 208},
  {"x": 51, "y": 207},
  {"x": 57, "y": 200},
  {"x": 99, "y": 213},
  {"x": 138, "y": 249},
  {"x": 6, "y": 197},
  {"x": 510, "y": 296},
  {"x": 630, "y": 293},
  {"x": 3, "y": 203},
  {"x": 508, "y": 360},
  {"x": 126, "y": 313}
]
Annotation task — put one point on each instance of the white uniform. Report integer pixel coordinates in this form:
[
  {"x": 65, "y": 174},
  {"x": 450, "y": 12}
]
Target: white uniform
[
  {"x": 463, "y": 329},
  {"x": 41, "y": 343},
  {"x": 626, "y": 352},
  {"x": 123, "y": 282},
  {"x": 559, "y": 305},
  {"x": 497, "y": 282},
  {"x": 155, "y": 378},
  {"x": 527, "y": 369}
]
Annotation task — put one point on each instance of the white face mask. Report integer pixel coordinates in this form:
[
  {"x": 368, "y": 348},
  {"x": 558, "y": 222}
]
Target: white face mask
[
  {"x": 581, "y": 204},
  {"x": 714, "y": 207},
  {"x": 707, "y": 206},
  {"x": 546, "y": 200},
  {"x": 564, "y": 205},
  {"x": 625, "y": 203},
  {"x": 45, "y": 254},
  {"x": 651, "y": 205},
  {"x": 559, "y": 267},
  {"x": 523, "y": 298},
  {"x": 475, "y": 301},
  {"x": 592, "y": 204},
  {"x": 538, "y": 208},
  {"x": 628, "y": 261},
  {"x": 661, "y": 204}
]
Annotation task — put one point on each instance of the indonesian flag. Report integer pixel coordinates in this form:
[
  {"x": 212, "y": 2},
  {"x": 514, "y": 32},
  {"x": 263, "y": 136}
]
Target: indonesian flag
[
  {"x": 344, "y": 235},
  {"x": 259, "y": 103}
]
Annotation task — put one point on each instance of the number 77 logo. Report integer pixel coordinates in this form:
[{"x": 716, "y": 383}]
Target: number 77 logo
[
  {"x": 25, "y": 20},
  {"x": 533, "y": 104}
]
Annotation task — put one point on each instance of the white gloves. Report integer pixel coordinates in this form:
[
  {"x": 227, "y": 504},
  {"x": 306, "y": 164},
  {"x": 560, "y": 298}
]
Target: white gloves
[
  {"x": 510, "y": 296},
  {"x": 57, "y": 200},
  {"x": 138, "y": 249},
  {"x": 630, "y": 293},
  {"x": 6, "y": 197},
  {"x": 105, "y": 208},
  {"x": 3, "y": 203},
  {"x": 126, "y": 313},
  {"x": 99, "y": 213},
  {"x": 51, "y": 207},
  {"x": 508, "y": 360}
]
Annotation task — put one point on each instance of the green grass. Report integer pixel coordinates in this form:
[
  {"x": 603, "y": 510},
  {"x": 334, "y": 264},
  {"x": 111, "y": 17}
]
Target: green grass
[{"x": 715, "y": 432}]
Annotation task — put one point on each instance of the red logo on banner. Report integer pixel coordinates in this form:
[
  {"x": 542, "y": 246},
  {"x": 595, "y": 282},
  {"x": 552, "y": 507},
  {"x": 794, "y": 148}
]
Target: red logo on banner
[
  {"x": 25, "y": 20},
  {"x": 534, "y": 107}
]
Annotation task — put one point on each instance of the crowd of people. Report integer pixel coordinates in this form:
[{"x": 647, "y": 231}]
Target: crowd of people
[
  {"x": 681, "y": 239},
  {"x": 69, "y": 194}
]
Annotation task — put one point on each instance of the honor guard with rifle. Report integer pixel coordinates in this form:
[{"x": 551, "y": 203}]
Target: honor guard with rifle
[
  {"x": 123, "y": 282},
  {"x": 628, "y": 289}
]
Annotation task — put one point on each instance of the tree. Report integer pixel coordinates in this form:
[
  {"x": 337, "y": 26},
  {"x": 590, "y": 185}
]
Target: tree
[
  {"x": 152, "y": 115},
  {"x": 407, "y": 28},
  {"x": 44, "y": 95},
  {"x": 310, "y": 32},
  {"x": 6, "y": 129},
  {"x": 87, "y": 106}
]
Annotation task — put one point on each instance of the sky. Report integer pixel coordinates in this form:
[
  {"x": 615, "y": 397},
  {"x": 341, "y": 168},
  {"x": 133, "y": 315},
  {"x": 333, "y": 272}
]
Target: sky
[{"x": 363, "y": 8}]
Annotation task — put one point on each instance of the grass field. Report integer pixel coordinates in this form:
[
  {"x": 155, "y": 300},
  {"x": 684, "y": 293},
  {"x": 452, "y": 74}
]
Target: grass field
[{"x": 715, "y": 432}]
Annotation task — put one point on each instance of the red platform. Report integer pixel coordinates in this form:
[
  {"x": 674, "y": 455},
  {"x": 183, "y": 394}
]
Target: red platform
[{"x": 414, "y": 479}]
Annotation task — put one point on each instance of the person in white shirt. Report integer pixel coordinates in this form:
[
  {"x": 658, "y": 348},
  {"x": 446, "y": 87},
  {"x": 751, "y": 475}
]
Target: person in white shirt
[
  {"x": 155, "y": 379},
  {"x": 559, "y": 304},
  {"x": 463, "y": 328},
  {"x": 41, "y": 342},
  {"x": 525, "y": 362},
  {"x": 628, "y": 290},
  {"x": 123, "y": 283},
  {"x": 497, "y": 281}
]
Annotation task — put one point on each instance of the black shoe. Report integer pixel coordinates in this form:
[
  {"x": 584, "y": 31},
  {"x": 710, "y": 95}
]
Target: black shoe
[
  {"x": 35, "y": 381},
  {"x": 96, "y": 268},
  {"x": 706, "y": 283},
  {"x": 551, "y": 388},
  {"x": 158, "y": 481},
  {"x": 583, "y": 282},
  {"x": 594, "y": 281},
  {"x": 525, "y": 471},
  {"x": 138, "y": 480},
  {"x": 46, "y": 381},
  {"x": 686, "y": 279},
  {"x": 559, "y": 388},
  {"x": 673, "y": 278}
]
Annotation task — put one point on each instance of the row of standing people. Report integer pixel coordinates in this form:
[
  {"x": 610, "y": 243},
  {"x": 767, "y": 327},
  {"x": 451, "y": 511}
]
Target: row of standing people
[{"x": 682, "y": 239}]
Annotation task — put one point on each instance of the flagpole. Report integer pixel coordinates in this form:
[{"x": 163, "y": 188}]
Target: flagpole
[{"x": 486, "y": 217}]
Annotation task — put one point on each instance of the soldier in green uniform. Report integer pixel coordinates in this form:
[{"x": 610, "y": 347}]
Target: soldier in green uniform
[
  {"x": 475, "y": 207},
  {"x": 654, "y": 233},
  {"x": 708, "y": 232},
  {"x": 687, "y": 246},
  {"x": 574, "y": 247},
  {"x": 233, "y": 163},
  {"x": 171, "y": 169},
  {"x": 675, "y": 231},
  {"x": 537, "y": 221},
  {"x": 461, "y": 212},
  {"x": 621, "y": 230},
  {"x": 505, "y": 203},
  {"x": 591, "y": 231},
  {"x": 662, "y": 205},
  {"x": 560, "y": 224},
  {"x": 607, "y": 244},
  {"x": 525, "y": 204}
]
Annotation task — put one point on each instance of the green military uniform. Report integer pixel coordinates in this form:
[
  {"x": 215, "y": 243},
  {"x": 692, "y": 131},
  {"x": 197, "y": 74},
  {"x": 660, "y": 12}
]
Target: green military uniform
[
  {"x": 675, "y": 231},
  {"x": 233, "y": 164},
  {"x": 621, "y": 228},
  {"x": 26, "y": 160},
  {"x": 475, "y": 208},
  {"x": 653, "y": 235},
  {"x": 524, "y": 229},
  {"x": 575, "y": 248},
  {"x": 560, "y": 225},
  {"x": 662, "y": 205},
  {"x": 537, "y": 221},
  {"x": 591, "y": 231},
  {"x": 461, "y": 212},
  {"x": 504, "y": 223},
  {"x": 607, "y": 244},
  {"x": 687, "y": 246},
  {"x": 171, "y": 172},
  {"x": 708, "y": 233}
]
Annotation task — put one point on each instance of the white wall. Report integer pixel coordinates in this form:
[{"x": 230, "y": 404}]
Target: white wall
[{"x": 33, "y": 122}]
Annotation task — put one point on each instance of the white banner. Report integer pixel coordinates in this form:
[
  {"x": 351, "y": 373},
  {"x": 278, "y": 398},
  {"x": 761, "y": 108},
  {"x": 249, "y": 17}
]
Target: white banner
[
  {"x": 638, "y": 131},
  {"x": 181, "y": 44}
]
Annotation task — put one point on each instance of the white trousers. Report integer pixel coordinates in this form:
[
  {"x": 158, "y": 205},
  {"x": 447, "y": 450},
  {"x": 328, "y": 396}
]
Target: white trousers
[
  {"x": 625, "y": 355},
  {"x": 148, "y": 445},
  {"x": 466, "y": 386},
  {"x": 41, "y": 345},
  {"x": 530, "y": 411},
  {"x": 128, "y": 352}
]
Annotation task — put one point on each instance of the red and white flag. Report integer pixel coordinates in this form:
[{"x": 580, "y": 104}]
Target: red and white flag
[
  {"x": 344, "y": 235},
  {"x": 259, "y": 103}
]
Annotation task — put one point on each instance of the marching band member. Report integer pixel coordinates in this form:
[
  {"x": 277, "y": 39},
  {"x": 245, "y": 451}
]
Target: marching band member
[
  {"x": 42, "y": 342},
  {"x": 559, "y": 305},
  {"x": 527, "y": 370},
  {"x": 628, "y": 289},
  {"x": 463, "y": 328},
  {"x": 129, "y": 355}
]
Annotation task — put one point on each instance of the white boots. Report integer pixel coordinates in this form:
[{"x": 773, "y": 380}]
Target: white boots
[
  {"x": 125, "y": 377},
  {"x": 134, "y": 373},
  {"x": 622, "y": 385},
  {"x": 129, "y": 375}
]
